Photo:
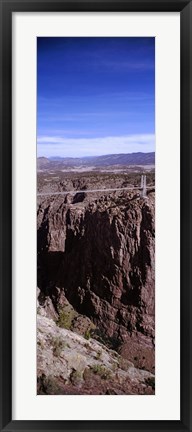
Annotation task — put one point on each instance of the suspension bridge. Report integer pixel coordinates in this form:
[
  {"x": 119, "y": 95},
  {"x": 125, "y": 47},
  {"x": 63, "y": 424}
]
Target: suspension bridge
[{"x": 143, "y": 189}]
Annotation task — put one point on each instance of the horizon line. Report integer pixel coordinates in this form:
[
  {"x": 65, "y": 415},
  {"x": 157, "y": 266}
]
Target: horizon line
[{"x": 93, "y": 156}]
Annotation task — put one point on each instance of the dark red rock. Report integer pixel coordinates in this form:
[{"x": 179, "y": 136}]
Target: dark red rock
[{"x": 102, "y": 255}]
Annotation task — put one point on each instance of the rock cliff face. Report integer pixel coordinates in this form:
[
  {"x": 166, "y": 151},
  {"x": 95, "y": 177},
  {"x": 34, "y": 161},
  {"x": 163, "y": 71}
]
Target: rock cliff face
[{"x": 100, "y": 252}]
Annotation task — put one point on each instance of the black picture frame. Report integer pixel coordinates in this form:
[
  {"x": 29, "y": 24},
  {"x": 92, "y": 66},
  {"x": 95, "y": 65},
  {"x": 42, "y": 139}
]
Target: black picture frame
[{"x": 6, "y": 9}]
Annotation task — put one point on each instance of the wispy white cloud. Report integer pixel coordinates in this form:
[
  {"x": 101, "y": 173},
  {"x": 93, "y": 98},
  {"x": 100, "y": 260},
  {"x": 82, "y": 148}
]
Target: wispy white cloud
[
  {"x": 75, "y": 147},
  {"x": 137, "y": 96},
  {"x": 128, "y": 65}
]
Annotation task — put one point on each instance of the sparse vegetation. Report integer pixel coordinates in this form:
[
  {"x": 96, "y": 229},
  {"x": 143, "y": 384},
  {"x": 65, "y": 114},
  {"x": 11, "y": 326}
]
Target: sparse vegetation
[
  {"x": 58, "y": 346},
  {"x": 38, "y": 310},
  {"x": 76, "y": 377},
  {"x": 48, "y": 385},
  {"x": 66, "y": 316},
  {"x": 115, "y": 366},
  {"x": 87, "y": 334},
  {"x": 101, "y": 370}
]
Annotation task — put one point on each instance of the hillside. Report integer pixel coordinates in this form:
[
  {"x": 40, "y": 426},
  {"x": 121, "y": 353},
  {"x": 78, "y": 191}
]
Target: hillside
[
  {"x": 98, "y": 161},
  {"x": 69, "y": 364}
]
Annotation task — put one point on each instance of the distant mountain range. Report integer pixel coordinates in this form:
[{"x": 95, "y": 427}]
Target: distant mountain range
[{"x": 98, "y": 161}]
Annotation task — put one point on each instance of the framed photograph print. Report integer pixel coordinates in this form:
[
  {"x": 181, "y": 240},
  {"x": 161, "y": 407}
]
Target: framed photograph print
[{"x": 95, "y": 215}]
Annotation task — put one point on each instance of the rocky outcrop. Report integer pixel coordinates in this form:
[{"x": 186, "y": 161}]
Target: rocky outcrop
[
  {"x": 100, "y": 252},
  {"x": 70, "y": 364}
]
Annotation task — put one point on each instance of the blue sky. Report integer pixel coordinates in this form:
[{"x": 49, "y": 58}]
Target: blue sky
[{"x": 95, "y": 95}]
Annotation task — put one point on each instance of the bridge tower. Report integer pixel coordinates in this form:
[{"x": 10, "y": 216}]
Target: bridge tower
[{"x": 143, "y": 193}]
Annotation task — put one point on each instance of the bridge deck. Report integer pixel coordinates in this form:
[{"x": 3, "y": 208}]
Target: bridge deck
[{"x": 93, "y": 190}]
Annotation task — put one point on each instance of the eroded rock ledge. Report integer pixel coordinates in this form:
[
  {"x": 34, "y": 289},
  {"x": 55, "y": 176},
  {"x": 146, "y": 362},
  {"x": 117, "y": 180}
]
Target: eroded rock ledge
[{"x": 70, "y": 364}]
